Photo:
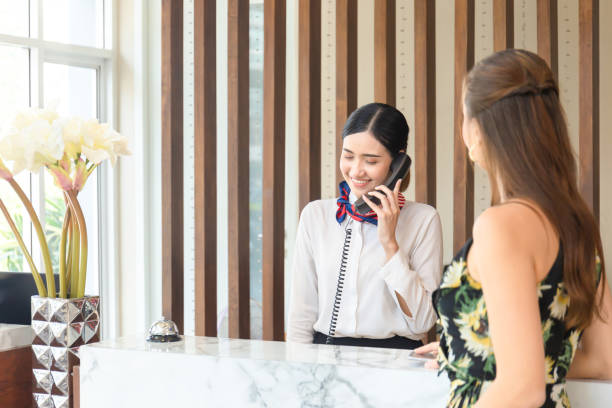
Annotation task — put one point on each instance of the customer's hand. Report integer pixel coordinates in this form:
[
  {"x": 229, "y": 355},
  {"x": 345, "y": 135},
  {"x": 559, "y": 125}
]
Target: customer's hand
[
  {"x": 429, "y": 350},
  {"x": 387, "y": 212}
]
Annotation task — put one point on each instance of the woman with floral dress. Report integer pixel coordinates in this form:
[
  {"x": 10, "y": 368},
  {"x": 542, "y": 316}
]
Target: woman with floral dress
[{"x": 525, "y": 304}]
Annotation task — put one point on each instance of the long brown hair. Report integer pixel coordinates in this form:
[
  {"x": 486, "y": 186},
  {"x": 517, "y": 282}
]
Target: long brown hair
[{"x": 514, "y": 97}]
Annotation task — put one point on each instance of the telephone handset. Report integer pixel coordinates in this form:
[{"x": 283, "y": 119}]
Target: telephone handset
[{"x": 398, "y": 170}]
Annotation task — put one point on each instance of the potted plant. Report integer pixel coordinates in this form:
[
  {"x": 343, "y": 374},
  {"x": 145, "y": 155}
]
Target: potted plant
[{"x": 63, "y": 317}]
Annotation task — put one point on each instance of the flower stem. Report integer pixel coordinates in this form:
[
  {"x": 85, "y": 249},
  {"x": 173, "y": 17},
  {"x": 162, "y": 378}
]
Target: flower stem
[
  {"x": 42, "y": 292},
  {"x": 69, "y": 253},
  {"x": 74, "y": 252},
  {"x": 62, "y": 257},
  {"x": 76, "y": 207},
  {"x": 91, "y": 169},
  {"x": 41, "y": 237}
]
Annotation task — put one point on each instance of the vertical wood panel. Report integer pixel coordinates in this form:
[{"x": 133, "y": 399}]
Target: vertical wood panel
[
  {"x": 172, "y": 159},
  {"x": 463, "y": 194},
  {"x": 588, "y": 21},
  {"x": 346, "y": 68},
  {"x": 503, "y": 24},
  {"x": 205, "y": 167},
  {"x": 425, "y": 101},
  {"x": 384, "y": 51},
  {"x": 547, "y": 34},
  {"x": 309, "y": 101},
  {"x": 274, "y": 170},
  {"x": 238, "y": 168}
]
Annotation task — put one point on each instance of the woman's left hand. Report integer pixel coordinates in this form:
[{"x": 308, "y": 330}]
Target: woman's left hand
[
  {"x": 388, "y": 213},
  {"x": 430, "y": 349}
]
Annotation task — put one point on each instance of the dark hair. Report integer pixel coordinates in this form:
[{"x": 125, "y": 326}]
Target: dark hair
[
  {"x": 514, "y": 98},
  {"x": 387, "y": 125}
]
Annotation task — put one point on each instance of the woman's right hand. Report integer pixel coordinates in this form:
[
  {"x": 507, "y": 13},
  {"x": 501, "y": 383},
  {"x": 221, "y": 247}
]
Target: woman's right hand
[{"x": 430, "y": 349}]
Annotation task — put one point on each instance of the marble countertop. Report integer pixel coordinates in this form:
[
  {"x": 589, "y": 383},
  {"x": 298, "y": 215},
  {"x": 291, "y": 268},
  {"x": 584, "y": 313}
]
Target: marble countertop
[
  {"x": 274, "y": 351},
  {"x": 218, "y": 372},
  {"x": 14, "y": 335}
]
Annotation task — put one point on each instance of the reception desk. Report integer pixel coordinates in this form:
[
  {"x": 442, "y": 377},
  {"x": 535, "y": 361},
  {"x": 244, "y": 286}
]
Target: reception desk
[
  {"x": 212, "y": 372},
  {"x": 15, "y": 365}
]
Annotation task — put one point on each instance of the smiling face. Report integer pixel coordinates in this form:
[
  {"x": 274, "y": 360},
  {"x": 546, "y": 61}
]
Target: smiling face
[{"x": 364, "y": 163}]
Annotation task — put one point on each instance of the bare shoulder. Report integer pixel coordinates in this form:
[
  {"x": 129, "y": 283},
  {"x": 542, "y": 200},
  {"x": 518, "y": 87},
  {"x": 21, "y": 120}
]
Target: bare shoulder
[
  {"x": 510, "y": 231},
  {"x": 511, "y": 222}
]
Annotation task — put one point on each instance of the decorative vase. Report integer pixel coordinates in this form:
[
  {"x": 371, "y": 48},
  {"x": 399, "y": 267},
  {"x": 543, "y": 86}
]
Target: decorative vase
[{"x": 60, "y": 327}]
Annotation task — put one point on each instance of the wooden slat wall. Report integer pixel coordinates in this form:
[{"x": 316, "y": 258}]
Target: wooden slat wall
[
  {"x": 384, "y": 51},
  {"x": 172, "y": 158},
  {"x": 588, "y": 21},
  {"x": 424, "y": 169},
  {"x": 503, "y": 24},
  {"x": 346, "y": 68},
  {"x": 547, "y": 34},
  {"x": 463, "y": 176},
  {"x": 273, "y": 206},
  {"x": 205, "y": 167},
  {"x": 310, "y": 137},
  {"x": 309, "y": 101},
  {"x": 238, "y": 168}
]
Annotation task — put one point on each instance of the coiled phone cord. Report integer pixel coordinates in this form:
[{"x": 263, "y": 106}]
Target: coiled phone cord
[{"x": 340, "y": 286}]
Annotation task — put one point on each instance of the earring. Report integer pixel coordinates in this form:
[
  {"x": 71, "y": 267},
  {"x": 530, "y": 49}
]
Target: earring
[{"x": 471, "y": 152}]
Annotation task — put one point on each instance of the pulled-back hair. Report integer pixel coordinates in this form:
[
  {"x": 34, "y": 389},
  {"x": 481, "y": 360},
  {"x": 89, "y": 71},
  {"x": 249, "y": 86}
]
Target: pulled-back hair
[
  {"x": 387, "y": 124},
  {"x": 514, "y": 97}
]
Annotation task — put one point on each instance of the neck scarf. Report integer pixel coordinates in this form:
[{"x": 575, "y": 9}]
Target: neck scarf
[{"x": 346, "y": 207}]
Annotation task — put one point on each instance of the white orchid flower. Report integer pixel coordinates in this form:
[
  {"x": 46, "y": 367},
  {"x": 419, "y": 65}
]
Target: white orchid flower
[
  {"x": 70, "y": 149},
  {"x": 70, "y": 130},
  {"x": 30, "y": 143},
  {"x": 26, "y": 117},
  {"x": 101, "y": 142}
]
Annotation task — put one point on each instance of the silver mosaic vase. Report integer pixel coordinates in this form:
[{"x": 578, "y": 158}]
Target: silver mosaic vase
[{"x": 60, "y": 327}]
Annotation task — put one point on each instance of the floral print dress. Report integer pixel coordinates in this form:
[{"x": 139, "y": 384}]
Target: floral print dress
[{"x": 466, "y": 352}]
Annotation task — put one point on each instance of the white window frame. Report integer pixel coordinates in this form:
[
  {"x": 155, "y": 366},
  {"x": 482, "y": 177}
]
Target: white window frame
[{"x": 104, "y": 61}]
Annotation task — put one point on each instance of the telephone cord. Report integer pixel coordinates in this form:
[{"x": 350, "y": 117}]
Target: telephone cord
[{"x": 340, "y": 286}]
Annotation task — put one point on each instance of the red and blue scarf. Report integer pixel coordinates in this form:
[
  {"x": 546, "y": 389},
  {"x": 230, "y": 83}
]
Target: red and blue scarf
[{"x": 345, "y": 207}]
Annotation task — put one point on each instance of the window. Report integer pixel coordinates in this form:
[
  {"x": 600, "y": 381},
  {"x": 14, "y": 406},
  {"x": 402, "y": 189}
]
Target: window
[{"x": 53, "y": 53}]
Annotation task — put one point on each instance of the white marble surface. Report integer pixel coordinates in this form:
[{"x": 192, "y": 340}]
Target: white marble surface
[
  {"x": 211, "y": 372},
  {"x": 14, "y": 335}
]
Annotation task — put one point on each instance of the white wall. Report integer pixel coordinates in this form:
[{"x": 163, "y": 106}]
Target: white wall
[{"x": 138, "y": 108}]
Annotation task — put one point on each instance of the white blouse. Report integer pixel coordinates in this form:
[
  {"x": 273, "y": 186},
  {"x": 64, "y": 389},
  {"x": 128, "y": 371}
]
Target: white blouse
[{"x": 369, "y": 307}]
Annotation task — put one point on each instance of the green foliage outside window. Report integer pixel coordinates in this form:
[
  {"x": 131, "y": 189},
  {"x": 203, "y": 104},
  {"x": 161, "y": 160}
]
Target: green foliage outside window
[{"x": 11, "y": 257}]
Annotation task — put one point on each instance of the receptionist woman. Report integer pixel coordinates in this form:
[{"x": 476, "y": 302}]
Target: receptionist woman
[{"x": 367, "y": 279}]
